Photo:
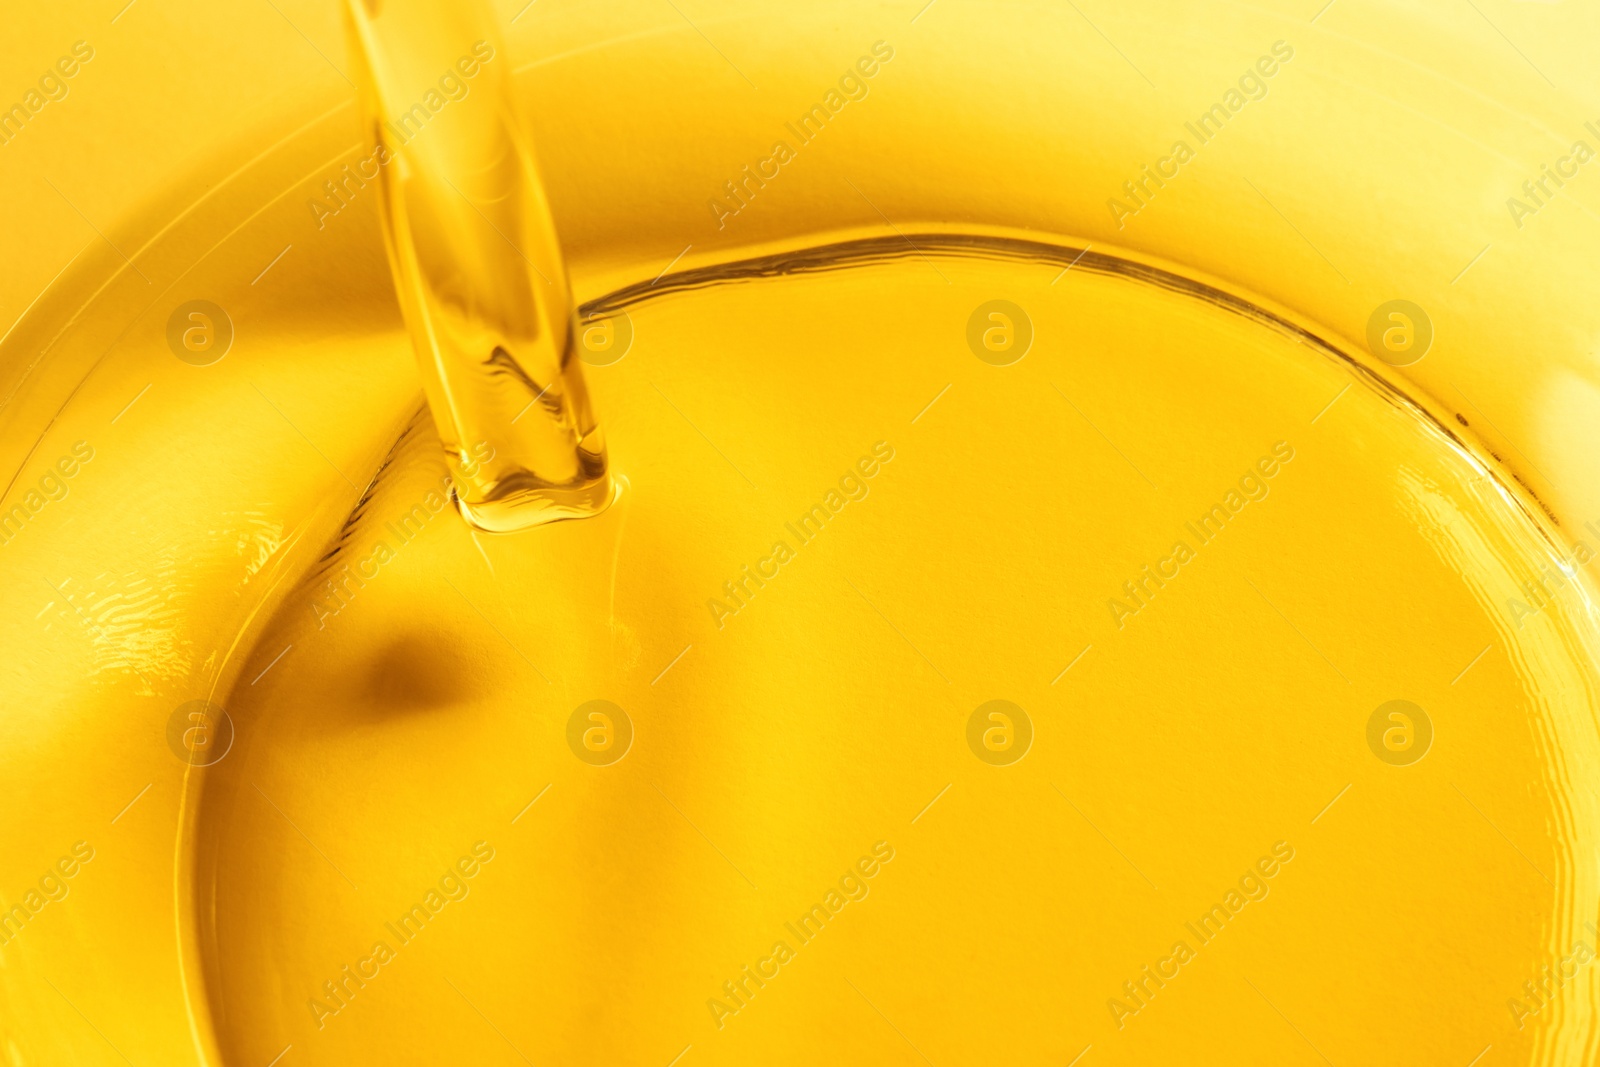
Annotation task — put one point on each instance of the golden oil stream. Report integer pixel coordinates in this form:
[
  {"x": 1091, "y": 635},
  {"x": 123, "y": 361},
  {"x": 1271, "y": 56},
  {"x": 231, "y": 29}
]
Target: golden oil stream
[{"x": 477, "y": 263}]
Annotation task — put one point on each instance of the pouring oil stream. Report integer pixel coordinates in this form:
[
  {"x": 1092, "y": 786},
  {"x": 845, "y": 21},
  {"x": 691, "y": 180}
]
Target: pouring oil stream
[{"x": 476, "y": 263}]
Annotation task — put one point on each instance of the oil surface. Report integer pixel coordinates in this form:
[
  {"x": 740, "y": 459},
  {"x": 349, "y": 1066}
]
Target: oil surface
[
  {"x": 1015, "y": 744},
  {"x": 784, "y": 727}
]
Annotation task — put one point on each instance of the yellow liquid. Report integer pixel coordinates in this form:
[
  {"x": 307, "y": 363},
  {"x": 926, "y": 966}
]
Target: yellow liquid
[
  {"x": 820, "y": 719},
  {"x": 477, "y": 264},
  {"x": 1199, "y": 740}
]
